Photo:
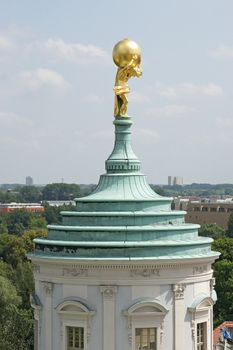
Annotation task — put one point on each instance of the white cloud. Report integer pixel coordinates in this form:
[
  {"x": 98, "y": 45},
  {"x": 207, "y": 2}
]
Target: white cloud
[
  {"x": 171, "y": 110},
  {"x": 222, "y": 51},
  {"x": 40, "y": 77},
  {"x": 12, "y": 119},
  {"x": 148, "y": 135},
  {"x": 210, "y": 89},
  {"x": 6, "y": 44},
  {"x": 138, "y": 97},
  {"x": 169, "y": 92},
  {"x": 74, "y": 52},
  {"x": 224, "y": 123},
  {"x": 189, "y": 89},
  {"x": 93, "y": 98}
]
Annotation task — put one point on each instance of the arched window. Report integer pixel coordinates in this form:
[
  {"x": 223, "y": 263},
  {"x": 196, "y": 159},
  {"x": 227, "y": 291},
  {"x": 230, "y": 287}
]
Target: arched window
[
  {"x": 202, "y": 315},
  {"x": 75, "y": 317},
  {"x": 145, "y": 324}
]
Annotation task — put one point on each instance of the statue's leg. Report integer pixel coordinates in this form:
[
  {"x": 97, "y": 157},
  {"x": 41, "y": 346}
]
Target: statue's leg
[
  {"x": 116, "y": 106},
  {"x": 124, "y": 105}
]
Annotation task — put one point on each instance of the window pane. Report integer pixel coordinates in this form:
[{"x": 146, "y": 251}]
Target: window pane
[
  {"x": 201, "y": 336},
  {"x": 75, "y": 338},
  {"x": 145, "y": 339}
]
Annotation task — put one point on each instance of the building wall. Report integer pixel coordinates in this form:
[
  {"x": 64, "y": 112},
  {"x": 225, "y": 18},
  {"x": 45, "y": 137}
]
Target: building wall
[
  {"x": 109, "y": 293},
  {"x": 208, "y": 213}
]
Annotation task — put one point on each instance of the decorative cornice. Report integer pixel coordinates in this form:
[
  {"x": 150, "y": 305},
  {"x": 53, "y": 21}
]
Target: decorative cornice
[
  {"x": 145, "y": 272},
  {"x": 198, "y": 269},
  {"x": 72, "y": 271}
]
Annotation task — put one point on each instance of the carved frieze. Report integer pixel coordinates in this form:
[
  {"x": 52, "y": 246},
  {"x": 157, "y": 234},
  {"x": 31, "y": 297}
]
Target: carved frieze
[
  {"x": 199, "y": 269},
  {"x": 75, "y": 272},
  {"x": 144, "y": 272}
]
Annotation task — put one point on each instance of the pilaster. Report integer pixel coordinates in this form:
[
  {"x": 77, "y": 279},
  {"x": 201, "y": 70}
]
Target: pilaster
[
  {"x": 48, "y": 309},
  {"x": 179, "y": 315},
  {"x": 108, "y": 293}
]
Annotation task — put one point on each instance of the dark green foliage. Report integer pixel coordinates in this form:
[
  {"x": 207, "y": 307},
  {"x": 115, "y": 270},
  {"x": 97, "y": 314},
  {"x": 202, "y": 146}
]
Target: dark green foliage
[
  {"x": 159, "y": 190},
  {"x": 230, "y": 226},
  {"x": 16, "y": 329},
  {"x": 8, "y": 197},
  {"x": 223, "y": 273},
  {"x": 211, "y": 230},
  {"x": 52, "y": 213},
  {"x": 12, "y": 250},
  {"x": 225, "y": 247},
  {"x": 198, "y": 190},
  {"x": 17, "y": 221},
  {"x": 60, "y": 191},
  {"x": 16, "y": 283},
  {"x": 30, "y": 194}
]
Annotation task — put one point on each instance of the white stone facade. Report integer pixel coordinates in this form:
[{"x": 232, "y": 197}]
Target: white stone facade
[{"x": 109, "y": 300}]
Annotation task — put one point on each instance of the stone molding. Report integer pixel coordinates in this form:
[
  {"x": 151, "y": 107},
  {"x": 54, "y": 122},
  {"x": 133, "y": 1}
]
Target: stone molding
[
  {"x": 145, "y": 272},
  {"x": 199, "y": 269},
  {"x": 178, "y": 290},
  {"x": 72, "y": 271},
  {"x": 162, "y": 332},
  {"x": 108, "y": 291}
]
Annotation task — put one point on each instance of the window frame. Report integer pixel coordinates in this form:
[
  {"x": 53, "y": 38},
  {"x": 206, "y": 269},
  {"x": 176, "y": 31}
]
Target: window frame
[
  {"x": 153, "y": 317},
  {"x": 202, "y": 312},
  {"x": 204, "y": 343},
  {"x": 74, "y": 314},
  {"x": 156, "y": 336}
]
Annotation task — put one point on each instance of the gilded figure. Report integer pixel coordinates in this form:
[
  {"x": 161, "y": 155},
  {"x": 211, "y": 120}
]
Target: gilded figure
[{"x": 127, "y": 56}]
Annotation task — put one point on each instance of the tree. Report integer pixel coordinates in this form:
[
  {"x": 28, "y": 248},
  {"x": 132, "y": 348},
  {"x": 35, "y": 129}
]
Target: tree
[
  {"x": 29, "y": 235},
  {"x": 30, "y": 194},
  {"x": 211, "y": 230},
  {"x": 12, "y": 249},
  {"x": 60, "y": 191},
  {"x": 52, "y": 213},
  {"x": 223, "y": 272},
  {"x": 18, "y": 220},
  {"x": 230, "y": 226},
  {"x": 225, "y": 247}
]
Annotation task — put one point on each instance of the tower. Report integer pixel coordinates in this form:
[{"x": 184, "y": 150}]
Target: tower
[
  {"x": 123, "y": 271},
  {"x": 29, "y": 181}
]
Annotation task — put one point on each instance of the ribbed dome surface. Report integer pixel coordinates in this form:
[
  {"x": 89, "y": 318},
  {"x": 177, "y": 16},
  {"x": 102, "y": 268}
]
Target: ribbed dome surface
[{"x": 123, "y": 219}]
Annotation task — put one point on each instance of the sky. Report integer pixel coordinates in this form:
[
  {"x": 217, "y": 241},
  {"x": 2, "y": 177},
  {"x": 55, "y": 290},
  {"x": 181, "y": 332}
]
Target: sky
[{"x": 57, "y": 76}]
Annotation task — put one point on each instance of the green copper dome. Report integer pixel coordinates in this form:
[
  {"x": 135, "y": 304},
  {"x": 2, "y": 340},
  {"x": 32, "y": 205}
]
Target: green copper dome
[{"x": 123, "y": 219}]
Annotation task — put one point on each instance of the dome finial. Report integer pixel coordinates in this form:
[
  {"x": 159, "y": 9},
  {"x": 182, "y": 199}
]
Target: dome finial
[{"x": 127, "y": 56}]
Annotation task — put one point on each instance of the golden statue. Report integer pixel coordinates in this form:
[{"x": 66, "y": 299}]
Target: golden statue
[{"x": 127, "y": 56}]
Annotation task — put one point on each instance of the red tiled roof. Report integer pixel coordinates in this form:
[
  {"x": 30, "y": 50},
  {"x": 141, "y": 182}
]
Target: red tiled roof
[{"x": 217, "y": 331}]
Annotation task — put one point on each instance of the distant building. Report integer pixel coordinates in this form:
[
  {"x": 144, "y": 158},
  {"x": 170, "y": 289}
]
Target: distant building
[
  {"x": 29, "y": 181},
  {"x": 170, "y": 180},
  {"x": 220, "y": 341},
  {"x": 31, "y": 207},
  {"x": 59, "y": 203},
  {"x": 175, "y": 180},
  {"x": 209, "y": 213}
]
